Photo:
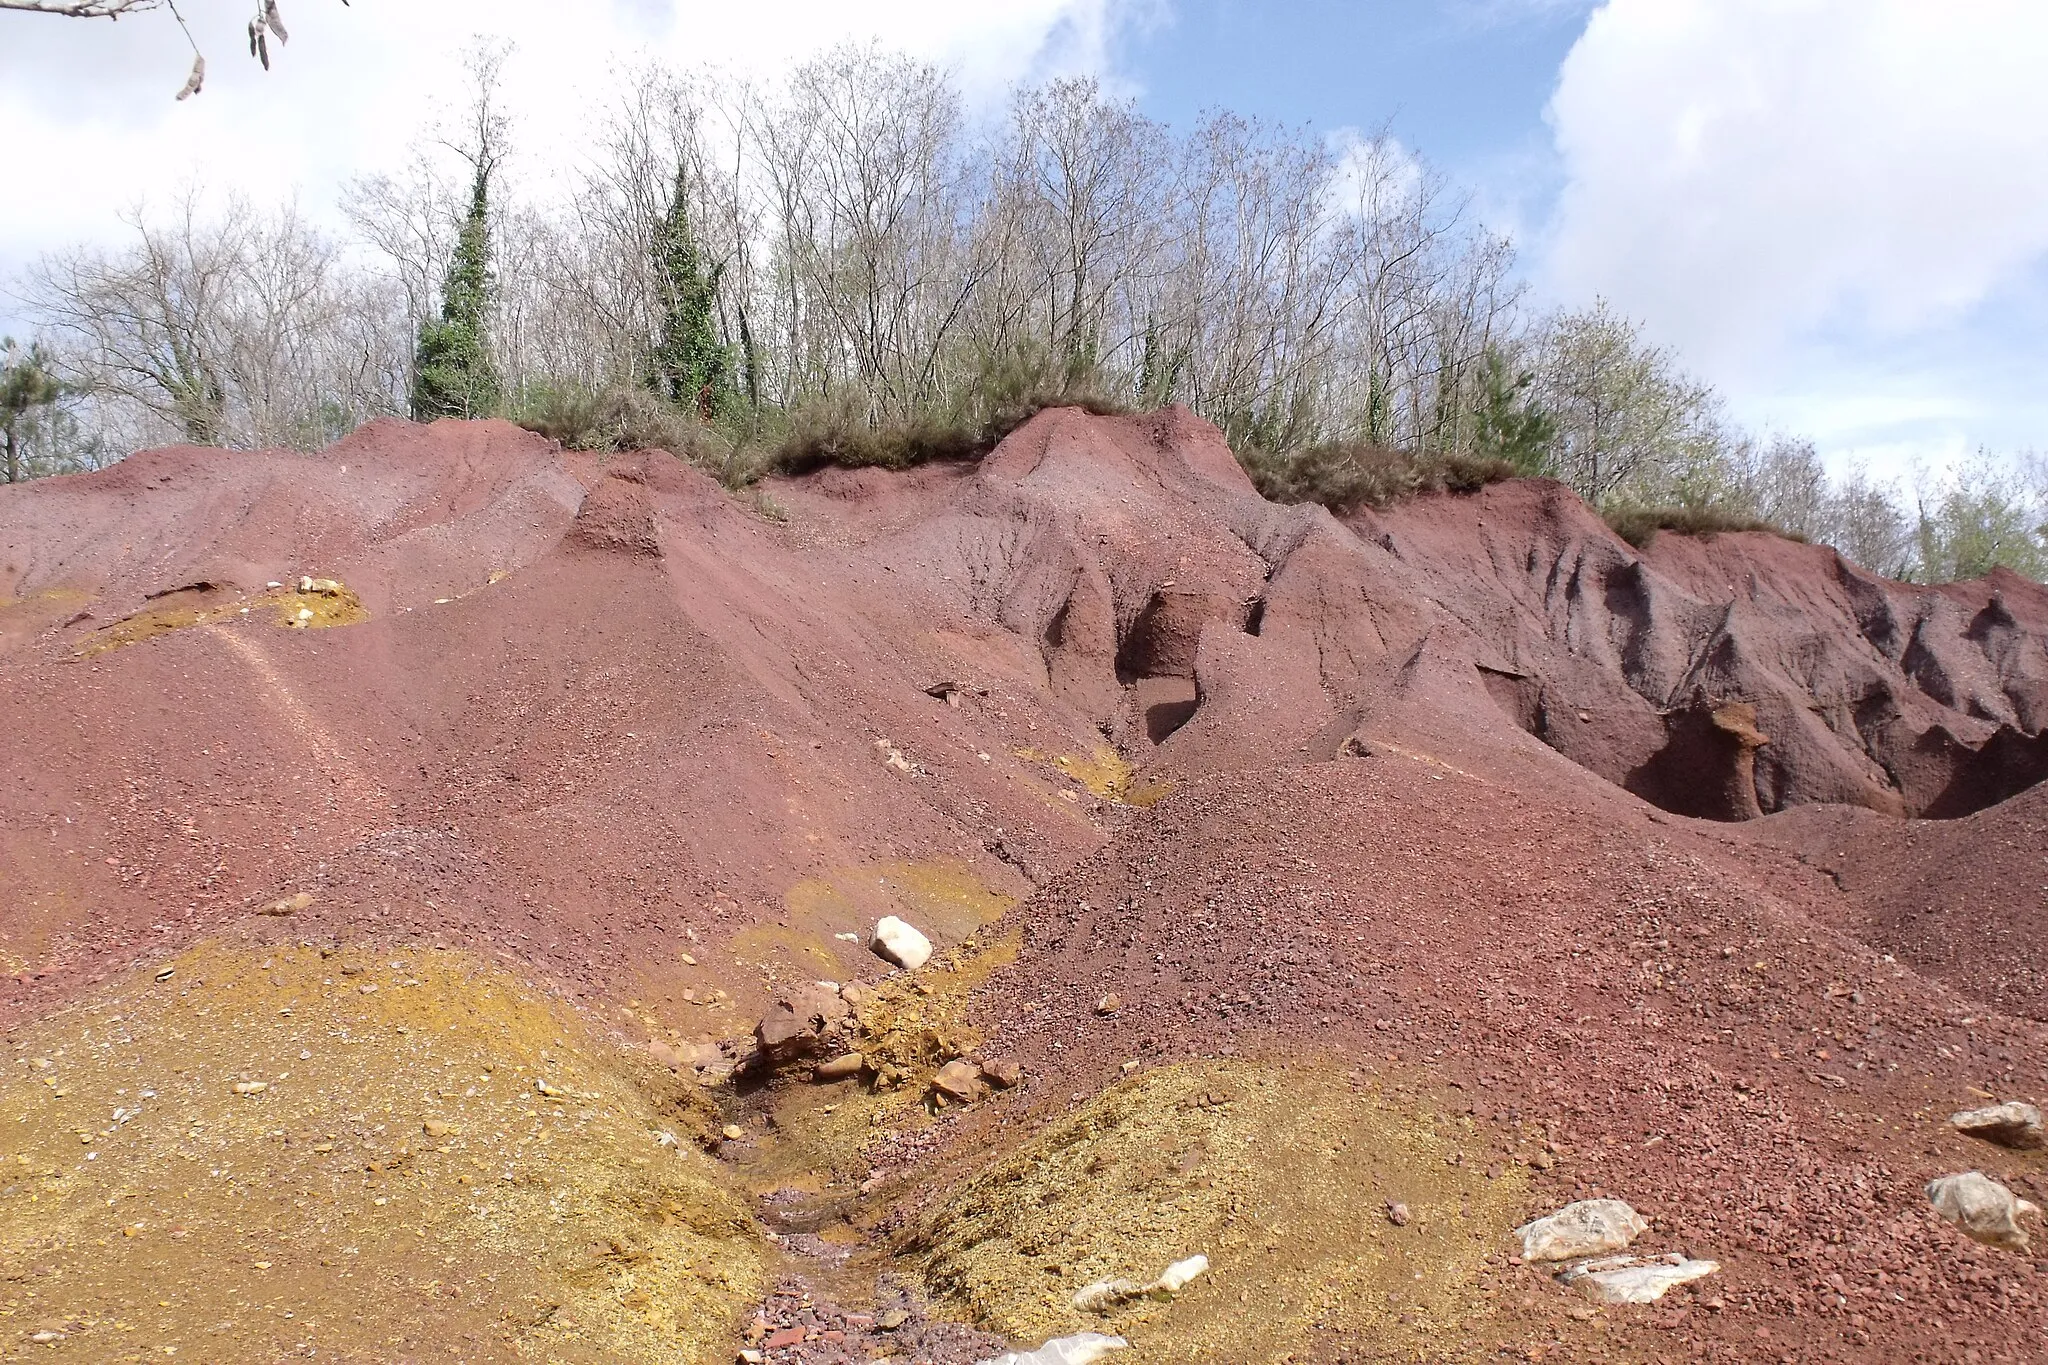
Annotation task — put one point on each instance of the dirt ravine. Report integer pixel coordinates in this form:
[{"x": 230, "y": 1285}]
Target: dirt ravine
[{"x": 400, "y": 845}]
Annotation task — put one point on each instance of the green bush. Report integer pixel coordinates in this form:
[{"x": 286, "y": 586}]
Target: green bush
[
  {"x": 1640, "y": 525},
  {"x": 1350, "y": 474}
]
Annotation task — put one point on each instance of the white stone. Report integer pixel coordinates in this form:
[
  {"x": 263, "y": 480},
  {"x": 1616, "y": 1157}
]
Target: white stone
[
  {"x": 1630, "y": 1279},
  {"x": 1591, "y": 1227},
  {"x": 1083, "y": 1349},
  {"x": 2012, "y": 1124},
  {"x": 1104, "y": 1295},
  {"x": 1179, "y": 1276},
  {"x": 1984, "y": 1209},
  {"x": 901, "y": 944}
]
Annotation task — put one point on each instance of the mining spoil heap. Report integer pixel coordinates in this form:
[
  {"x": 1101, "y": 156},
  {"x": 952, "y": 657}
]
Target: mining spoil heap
[{"x": 419, "y": 864}]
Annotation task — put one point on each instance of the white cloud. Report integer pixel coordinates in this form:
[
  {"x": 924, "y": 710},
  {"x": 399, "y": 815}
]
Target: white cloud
[
  {"x": 92, "y": 127},
  {"x": 1841, "y": 186}
]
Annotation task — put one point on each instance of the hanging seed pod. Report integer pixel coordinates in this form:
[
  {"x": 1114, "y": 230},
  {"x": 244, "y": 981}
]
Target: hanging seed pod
[{"x": 196, "y": 79}]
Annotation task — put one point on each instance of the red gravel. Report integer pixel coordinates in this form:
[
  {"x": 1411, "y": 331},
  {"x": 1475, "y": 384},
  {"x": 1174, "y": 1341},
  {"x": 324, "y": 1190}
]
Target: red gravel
[{"x": 1398, "y": 826}]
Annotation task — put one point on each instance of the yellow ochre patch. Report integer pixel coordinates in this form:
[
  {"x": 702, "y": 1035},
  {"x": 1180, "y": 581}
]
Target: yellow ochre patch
[
  {"x": 1106, "y": 774},
  {"x": 314, "y": 604},
  {"x": 399, "y": 1153},
  {"x": 1281, "y": 1177}
]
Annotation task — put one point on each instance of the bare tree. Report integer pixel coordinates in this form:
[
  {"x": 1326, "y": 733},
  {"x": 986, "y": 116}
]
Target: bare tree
[
  {"x": 1626, "y": 413},
  {"x": 236, "y": 328}
]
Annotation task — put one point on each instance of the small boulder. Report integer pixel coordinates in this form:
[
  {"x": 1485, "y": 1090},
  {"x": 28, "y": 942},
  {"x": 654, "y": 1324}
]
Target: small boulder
[
  {"x": 2012, "y": 1124},
  {"x": 1591, "y": 1227},
  {"x": 1630, "y": 1279},
  {"x": 897, "y": 942},
  {"x": 663, "y": 1054},
  {"x": 1108, "y": 1004},
  {"x": 782, "y": 1036},
  {"x": 290, "y": 905},
  {"x": 839, "y": 1068},
  {"x": 1985, "y": 1210},
  {"x": 959, "y": 1081}
]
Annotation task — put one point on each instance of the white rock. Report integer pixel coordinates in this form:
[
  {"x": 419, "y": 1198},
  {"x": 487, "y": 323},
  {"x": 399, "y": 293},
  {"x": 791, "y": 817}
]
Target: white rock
[
  {"x": 901, "y": 944},
  {"x": 1179, "y": 1276},
  {"x": 2012, "y": 1124},
  {"x": 1630, "y": 1279},
  {"x": 1590, "y": 1227},
  {"x": 1104, "y": 1295},
  {"x": 1984, "y": 1209},
  {"x": 1083, "y": 1349}
]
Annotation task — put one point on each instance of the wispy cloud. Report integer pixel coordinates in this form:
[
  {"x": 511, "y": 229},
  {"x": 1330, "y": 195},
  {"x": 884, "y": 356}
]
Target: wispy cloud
[{"x": 1820, "y": 197}]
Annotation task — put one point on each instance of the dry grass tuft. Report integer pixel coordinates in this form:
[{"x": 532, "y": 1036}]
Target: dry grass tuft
[
  {"x": 1343, "y": 476},
  {"x": 1640, "y": 525}
]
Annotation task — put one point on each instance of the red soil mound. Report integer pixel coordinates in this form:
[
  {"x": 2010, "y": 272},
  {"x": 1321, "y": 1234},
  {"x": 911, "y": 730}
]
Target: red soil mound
[{"x": 649, "y": 745}]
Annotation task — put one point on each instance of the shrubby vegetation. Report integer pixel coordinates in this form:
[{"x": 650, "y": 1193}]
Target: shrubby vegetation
[{"x": 844, "y": 268}]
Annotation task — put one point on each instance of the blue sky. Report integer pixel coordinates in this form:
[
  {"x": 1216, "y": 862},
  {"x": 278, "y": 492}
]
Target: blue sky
[
  {"x": 1465, "y": 83},
  {"x": 1834, "y": 210}
]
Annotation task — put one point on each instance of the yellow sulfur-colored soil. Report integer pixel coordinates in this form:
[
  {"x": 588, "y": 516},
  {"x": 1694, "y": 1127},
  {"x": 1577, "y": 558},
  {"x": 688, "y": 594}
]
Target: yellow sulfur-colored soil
[
  {"x": 333, "y": 605},
  {"x": 1282, "y": 1177},
  {"x": 391, "y": 1181}
]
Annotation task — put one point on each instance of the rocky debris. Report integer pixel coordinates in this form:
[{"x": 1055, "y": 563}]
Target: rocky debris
[
  {"x": 1084, "y": 1348},
  {"x": 251, "y": 1087},
  {"x": 958, "y": 1080},
  {"x": 842, "y": 1068},
  {"x": 1631, "y": 1279},
  {"x": 664, "y": 1055},
  {"x": 321, "y": 587},
  {"x": 1003, "y": 1075},
  {"x": 1591, "y": 1227},
  {"x": 1397, "y": 1214},
  {"x": 951, "y": 692},
  {"x": 796, "y": 1325},
  {"x": 896, "y": 941},
  {"x": 807, "y": 1025},
  {"x": 1985, "y": 1210},
  {"x": 732, "y": 1132},
  {"x": 2013, "y": 1124},
  {"x": 290, "y": 905},
  {"x": 1104, "y": 1295}
]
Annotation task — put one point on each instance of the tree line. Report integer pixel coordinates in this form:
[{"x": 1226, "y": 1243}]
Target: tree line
[{"x": 843, "y": 264}]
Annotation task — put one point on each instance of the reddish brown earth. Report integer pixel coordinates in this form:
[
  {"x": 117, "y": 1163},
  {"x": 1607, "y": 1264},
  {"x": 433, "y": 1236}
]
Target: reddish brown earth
[{"x": 1440, "y": 799}]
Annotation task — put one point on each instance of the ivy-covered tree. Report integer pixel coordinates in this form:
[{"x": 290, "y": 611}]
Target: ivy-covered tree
[
  {"x": 1508, "y": 423},
  {"x": 452, "y": 372},
  {"x": 690, "y": 366},
  {"x": 27, "y": 389}
]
